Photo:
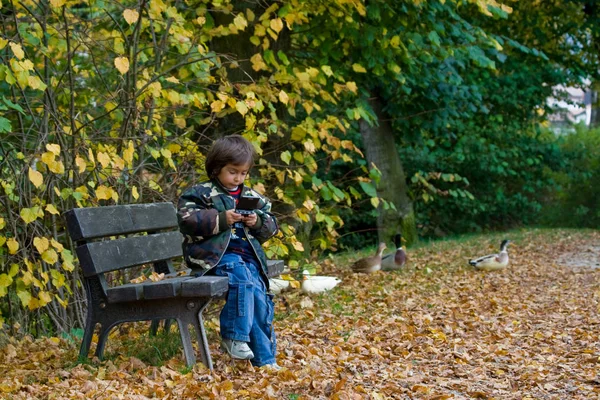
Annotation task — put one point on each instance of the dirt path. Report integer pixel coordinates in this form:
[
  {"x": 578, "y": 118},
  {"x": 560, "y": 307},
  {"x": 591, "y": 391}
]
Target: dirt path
[{"x": 437, "y": 330}]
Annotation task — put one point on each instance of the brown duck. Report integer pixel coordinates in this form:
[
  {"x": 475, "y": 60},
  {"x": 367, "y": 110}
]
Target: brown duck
[{"x": 370, "y": 264}]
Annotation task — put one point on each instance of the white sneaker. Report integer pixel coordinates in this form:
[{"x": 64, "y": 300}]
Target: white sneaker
[
  {"x": 275, "y": 367},
  {"x": 237, "y": 350}
]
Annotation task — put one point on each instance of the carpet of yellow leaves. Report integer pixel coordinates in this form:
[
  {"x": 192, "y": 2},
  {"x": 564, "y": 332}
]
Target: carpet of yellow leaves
[{"x": 436, "y": 330}]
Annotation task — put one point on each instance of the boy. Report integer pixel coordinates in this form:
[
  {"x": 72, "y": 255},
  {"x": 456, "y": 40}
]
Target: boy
[{"x": 226, "y": 243}]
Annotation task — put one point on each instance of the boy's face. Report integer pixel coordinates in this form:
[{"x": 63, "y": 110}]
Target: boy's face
[{"x": 231, "y": 176}]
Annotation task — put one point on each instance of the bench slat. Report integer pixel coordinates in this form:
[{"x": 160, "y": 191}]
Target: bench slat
[
  {"x": 95, "y": 222},
  {"x": 164, "y": 289},
  {"x": 128, "y": 292},
  {"x": 100, "y": 257},
  {"x": 205, "y": 286}
]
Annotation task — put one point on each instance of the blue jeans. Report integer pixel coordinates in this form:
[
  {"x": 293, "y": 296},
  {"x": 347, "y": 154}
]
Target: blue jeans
[{"x": 248, "y": 312}]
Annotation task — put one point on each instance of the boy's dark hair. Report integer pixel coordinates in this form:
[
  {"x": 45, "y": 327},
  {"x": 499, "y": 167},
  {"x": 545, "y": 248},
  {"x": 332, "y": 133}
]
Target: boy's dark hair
[{"x": 231, "y": 149}]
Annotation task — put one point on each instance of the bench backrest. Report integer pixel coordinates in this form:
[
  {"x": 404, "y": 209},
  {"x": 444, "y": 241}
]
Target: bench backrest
[{"x": 87, "y": 225}]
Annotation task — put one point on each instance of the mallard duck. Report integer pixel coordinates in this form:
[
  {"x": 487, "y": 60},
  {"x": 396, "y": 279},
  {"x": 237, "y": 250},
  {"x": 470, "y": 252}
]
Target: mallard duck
[
  {"x": 370, "y": 264},
  {"x": 492, "y": 262},
  {"x": 317, "y": 284},
  {"x": 395, "y": 260}
]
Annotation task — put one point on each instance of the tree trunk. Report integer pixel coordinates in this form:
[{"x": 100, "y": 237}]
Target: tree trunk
[
  {"x": 381, "y": 151},
  {"x": 595, "y": 114}
]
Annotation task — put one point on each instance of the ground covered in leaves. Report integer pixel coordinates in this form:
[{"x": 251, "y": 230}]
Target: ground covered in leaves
[{"x": 436, "y": 330}]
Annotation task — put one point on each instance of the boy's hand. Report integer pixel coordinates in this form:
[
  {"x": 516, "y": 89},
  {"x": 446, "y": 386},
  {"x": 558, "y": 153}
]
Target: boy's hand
[
  {"x": 233, "y": 217},
  {"x": 250, "y": 220}
]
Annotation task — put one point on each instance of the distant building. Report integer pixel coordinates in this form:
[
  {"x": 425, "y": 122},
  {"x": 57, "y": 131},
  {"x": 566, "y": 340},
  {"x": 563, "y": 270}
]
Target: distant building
[{"x": 571, "y": 106}]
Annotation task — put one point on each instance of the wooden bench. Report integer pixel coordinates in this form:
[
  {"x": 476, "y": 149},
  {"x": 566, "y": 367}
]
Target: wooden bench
[{"x": 115, "y": 238}]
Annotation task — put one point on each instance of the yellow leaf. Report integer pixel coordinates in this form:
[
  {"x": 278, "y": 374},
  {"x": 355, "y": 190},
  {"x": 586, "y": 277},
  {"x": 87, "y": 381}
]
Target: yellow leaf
[
  {"x": 28, "y": 278},
  {"x": 2, "y": 241},
  {"x": 2, "y": 223},
  {"x": 5, "y": 282},
  {"x": 283, "y": 97},
  {"x": 134, "y": 193},
  {"x": 103, "y": 159},
  {"x": 67, "y": 258},
  {"x": 17, "y": 50},
  {"x": 327, "y": 70},
  {"x": 48, "y": 158},
  {"x": 80, "y": 164},
  {"x": 57, "y": 3},
  {"x": 50, "y": 256},
  {"x": 358, "y": 68},
  {"x": 276, "y": 24},
  {"x": 240, "y": 22},
  {"x": 122, "y": 64},
  {"x": 180, "y": 122},
  {"x": 29, "y": 214},
  {"x": 241, "y": 107},
  {"x": 217, "y": 106},
  {"x": 41, "y": 244},
  {"x": 13, "y": 245},
  {"x": 24, "y": 296},
  {"x": 57, "y": 245},
  {"x": 375, "y": 202},
  {"x": 35, "y": 82},
  {"x": 53, "y": 148},
  {"x": 33, "y": 303},
  {"x": 52, "y": 210},
  {"x": 298, "y": 245},
  {"x": 104, "y": 193},
  {"x": 3, "y": 42},
  {"x": 131, "y": 16},
  {"x": 45, "y": 298},
  {"x": 258, "y": 63},
  {"x": 128, "y": 154},
  {"x": 231, "y": 102},
  {"x": 36, "y": 177},
  {"x": 172, "y": 79},
  {"x": 352, "y": 87},
  {"x": 57, "y": 167}
]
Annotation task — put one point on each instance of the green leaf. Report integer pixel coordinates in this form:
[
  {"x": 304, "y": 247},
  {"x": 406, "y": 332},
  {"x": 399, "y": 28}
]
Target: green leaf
[
  {"x": 5, "y": 125},
  {"x": 286, "y": 157},
  {"x": 12, "y": 105},
  {"x": 284, "y": 59},
  {"x": 369, "y": 189}
]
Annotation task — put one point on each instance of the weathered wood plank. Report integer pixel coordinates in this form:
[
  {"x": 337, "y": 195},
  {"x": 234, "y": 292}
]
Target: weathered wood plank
[
  {"x": 164, "y": 289},
  {"x": 95, "y": 222},
  {"x": 128, "y": 292},
  {"x": 205, "y": 286},
  {"x": 100, "y": 257}
]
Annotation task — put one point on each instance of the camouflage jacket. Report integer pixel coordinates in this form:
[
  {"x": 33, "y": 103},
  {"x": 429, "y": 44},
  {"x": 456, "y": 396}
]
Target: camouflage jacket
[{"x": 201, "y": 216}]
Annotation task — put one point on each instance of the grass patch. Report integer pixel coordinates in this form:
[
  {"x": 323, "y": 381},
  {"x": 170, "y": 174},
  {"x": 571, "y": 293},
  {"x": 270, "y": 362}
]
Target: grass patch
[{"x": 153, "y": 350}]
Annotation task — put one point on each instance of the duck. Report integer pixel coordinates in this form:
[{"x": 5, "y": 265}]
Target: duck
[
  {"x": 492, "y": 262},
  {"x": 397, "y": 259},
  {"x": 370, "y": 264},
  {"x": 312, "y": 284},
  {"x": 277, "y": 285}
]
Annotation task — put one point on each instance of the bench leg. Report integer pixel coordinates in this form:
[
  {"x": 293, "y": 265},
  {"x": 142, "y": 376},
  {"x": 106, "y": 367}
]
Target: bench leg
[
  {"x": 102, "y": 337},
  {"x": 188, "y": 349},
  {"x": 156, "y": 323},
  {"x": 201, "y": 337},
  {"x": 86, "y": 341}
]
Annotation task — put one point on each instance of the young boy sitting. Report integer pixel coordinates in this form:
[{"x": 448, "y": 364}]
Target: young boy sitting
[{"x": 220, "y": 240}]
